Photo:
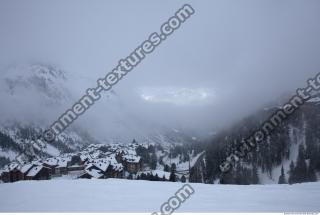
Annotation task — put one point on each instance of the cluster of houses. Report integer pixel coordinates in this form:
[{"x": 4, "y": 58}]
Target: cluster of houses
[{"x": 96, "y": 161}]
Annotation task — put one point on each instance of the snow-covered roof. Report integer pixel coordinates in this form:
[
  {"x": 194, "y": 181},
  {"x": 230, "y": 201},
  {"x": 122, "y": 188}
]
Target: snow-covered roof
[
  {"x": 37, "y": 162},
  {"x": 131, "y": 151},
  {"x": 10, "y": 167},
  {"x": 62, "y": 162},
  {"x": 118, "y": 167},
  {"x": 132, "y": 158},
  {"x": 102, "y": 165},
  {"x": 51, "y": 161},
  {"x": 34, "y": 171},
  {"x": 94, "y": 173},
  {"x": 25, "y": 168},
  {"x": 89, "y": 166},
  {"x": 83, "y": 157},
  {"x": 93, "y": 155}
]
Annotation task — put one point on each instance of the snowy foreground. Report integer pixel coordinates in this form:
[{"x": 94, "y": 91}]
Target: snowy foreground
[{"x": 116, "y": 195}]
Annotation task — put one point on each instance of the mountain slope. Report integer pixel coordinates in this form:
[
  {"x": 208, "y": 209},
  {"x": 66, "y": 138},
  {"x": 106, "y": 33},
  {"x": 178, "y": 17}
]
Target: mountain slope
[
  {"x": 294, "y": 145},
  {"x": 33, "y": 96}
]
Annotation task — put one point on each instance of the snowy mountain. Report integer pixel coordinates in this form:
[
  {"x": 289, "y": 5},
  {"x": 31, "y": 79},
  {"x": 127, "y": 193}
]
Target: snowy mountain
[
  {"x": 46, "y": 80},
  {"x": 294, "y": 147},
  {"x": 33, "y": 96}
]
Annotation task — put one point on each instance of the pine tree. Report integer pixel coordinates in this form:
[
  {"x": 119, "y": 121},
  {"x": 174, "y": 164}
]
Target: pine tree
[
  {"x": 292, "y": 179},
  {"x": 173, "y": 173},
  {"x": 240, "y": 175},
  {"x": 183, "y": 179},
  {"x": 228, "y": 177},
  {"x": 255, "y": 178},
  {"x": 311, "y": 174},
  {"x": 130, "y": 176},
  {"x": 166, "y": 168},
  {"x": 149, "y": 177},
  {"x": 172, "y": 177},
  {"x": 153, "y": 162},
  {"x": 143, "y": 176},
  {"x": 282, "y": 177},
  {"x": 156, "y": 177},
  {"x": 312, "y": 177},
  {"x": 173, "y": 166},
  {"x": 301, "y": 167}
]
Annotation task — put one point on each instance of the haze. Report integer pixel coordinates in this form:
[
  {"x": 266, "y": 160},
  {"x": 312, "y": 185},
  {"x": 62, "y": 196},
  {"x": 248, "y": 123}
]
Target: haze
[{"x": 226, "y": 61}]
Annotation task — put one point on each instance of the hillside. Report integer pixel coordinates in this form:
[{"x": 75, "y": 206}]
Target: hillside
[
  {"x": 43, "y": 92},
  {"x": 293, "y": 146}
]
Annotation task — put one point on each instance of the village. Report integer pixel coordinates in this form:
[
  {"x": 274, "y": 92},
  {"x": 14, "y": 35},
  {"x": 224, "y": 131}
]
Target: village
[{"x": 95, "y": 161}]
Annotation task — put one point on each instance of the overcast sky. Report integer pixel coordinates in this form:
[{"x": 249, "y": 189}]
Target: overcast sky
[{"x": 227, "y": 60}]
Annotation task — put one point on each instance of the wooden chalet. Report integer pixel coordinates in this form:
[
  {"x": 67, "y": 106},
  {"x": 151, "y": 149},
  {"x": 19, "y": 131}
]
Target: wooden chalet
[
  {"x": 39, "y": 173},
  {"x": 132, "y": 163}
]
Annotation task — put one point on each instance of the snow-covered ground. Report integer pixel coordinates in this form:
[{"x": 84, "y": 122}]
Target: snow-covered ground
[{"x": 116, "y": 195}]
